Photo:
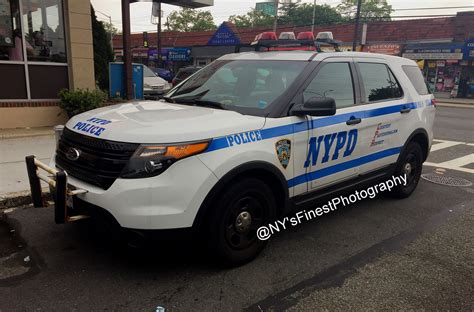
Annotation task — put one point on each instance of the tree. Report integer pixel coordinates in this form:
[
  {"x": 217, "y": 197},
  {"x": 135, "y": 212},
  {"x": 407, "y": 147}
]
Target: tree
[
  {"x": 370, "y": 10},
  {"x": 190, "y": 20},
  {"x": 103, "y": 53},
  {"x": 302, "y": 14},
  {"x": 253, "y": 18}
]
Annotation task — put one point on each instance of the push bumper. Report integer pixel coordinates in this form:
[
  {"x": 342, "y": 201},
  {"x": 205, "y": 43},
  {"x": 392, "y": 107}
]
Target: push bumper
[{"x": 62, "y": 192}]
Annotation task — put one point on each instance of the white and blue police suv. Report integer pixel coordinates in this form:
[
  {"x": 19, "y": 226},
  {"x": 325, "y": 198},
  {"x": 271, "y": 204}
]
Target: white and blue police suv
[{"x": 248, "y": 138}]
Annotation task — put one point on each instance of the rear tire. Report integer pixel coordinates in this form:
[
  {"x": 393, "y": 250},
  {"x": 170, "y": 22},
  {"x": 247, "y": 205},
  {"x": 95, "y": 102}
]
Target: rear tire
[
  {"x": 242, "y": 208},
  {"x": 410, "y": 163}
]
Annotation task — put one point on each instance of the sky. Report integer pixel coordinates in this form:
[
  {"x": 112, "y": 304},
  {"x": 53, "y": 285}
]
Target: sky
[{"x": 140, "y": 13}]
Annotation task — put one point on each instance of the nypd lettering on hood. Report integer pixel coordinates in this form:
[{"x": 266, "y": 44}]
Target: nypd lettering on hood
[
  {"x": 244, "y": 138},
  {"x": 91, "y": 126}
]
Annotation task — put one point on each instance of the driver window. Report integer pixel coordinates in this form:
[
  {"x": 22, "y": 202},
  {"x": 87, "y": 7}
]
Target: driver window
[{"x": 333, "y": 80}]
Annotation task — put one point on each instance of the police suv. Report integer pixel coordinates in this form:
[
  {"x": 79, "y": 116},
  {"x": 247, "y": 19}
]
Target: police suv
[{"x": 247, "y": 139}]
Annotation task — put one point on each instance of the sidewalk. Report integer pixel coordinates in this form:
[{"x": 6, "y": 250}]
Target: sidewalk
[
  {"x": 455, "y": 102},
  {"x": 15, "y": 144}
]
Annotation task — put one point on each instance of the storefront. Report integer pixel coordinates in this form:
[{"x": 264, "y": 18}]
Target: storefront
[
  {"x": 37, "y": 58},
  {"x": 466, "y": 83},
  {"x": 441, "y": 65}
]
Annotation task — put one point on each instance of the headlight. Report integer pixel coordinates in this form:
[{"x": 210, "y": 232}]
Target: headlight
[{"x": 151, "y": 160}]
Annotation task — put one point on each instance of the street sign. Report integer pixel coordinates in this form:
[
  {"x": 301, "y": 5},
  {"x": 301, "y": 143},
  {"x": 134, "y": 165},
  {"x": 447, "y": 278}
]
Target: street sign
[{"x": 266, "y": 7}]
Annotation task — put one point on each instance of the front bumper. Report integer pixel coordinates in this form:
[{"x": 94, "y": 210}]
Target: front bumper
[{"x": 168, "y": 201}]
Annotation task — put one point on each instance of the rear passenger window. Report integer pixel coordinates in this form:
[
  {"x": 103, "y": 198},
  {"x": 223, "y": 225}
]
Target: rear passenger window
[
  {"x": 379, "y": 82},
  {"x": 416, "y": 78},
  {"x": 333, "y": 80}
]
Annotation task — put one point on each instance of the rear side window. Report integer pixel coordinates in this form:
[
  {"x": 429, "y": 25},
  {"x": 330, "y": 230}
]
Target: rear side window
[
  {"x": 416, "y": 78},
  {"x": 379, "y": 82}
]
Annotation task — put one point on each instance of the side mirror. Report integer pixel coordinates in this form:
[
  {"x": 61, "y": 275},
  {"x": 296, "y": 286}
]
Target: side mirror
[{"x": 316, "y": 106}]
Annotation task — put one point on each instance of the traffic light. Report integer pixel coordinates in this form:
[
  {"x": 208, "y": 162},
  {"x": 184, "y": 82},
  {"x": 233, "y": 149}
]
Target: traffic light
[{"x": 145, "y": 39}]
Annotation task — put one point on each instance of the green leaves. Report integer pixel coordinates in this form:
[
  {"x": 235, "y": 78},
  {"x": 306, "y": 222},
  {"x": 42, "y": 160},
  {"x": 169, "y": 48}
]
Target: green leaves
[
  {"x": 79, "y": 101},
  {"x": 253, "y": 18},
  {"x": 371, "y": 10},
  {"x": 190, "y": 20}
]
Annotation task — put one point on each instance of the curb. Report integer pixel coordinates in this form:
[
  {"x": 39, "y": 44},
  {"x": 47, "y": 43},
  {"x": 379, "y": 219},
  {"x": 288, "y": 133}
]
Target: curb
[
  {"x": 23, "y": 198},
  {"x": 445, "y": 104},
  {"x": 24, "y": 135}
]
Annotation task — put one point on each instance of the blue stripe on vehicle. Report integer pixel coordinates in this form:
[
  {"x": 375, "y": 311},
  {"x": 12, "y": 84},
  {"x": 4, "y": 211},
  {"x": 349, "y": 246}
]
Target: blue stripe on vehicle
[
  {"x": 221, "y": 142},
  {"x": 310, "y": 176}
]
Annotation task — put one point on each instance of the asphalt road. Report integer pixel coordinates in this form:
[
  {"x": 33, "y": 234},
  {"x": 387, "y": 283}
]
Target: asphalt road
[{"x": 416, "y": 253}]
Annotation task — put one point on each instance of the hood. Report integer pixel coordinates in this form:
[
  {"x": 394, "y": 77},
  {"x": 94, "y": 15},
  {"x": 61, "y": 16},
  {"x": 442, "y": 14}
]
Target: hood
[
  {"x": 154, "y": 81},
  {"x": 161, "y": 122}
]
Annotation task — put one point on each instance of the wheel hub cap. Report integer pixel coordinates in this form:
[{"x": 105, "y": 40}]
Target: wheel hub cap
[
  {"x": 408, "y": 169},
  {"x": 243, "y": 221}
]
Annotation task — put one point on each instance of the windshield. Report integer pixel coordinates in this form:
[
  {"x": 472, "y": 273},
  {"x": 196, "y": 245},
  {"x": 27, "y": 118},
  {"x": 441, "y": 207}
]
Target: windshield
[
  {"x": 148, "y": 72},
  {"x": 240, "y": 84}
]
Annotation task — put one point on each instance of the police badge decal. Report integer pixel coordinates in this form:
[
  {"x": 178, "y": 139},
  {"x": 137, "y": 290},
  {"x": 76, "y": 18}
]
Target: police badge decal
[{"x": 283, "y": 150}]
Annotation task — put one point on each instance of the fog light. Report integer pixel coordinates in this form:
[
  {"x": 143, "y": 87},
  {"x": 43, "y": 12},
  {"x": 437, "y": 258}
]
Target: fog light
[{"x": 151, "y": 166}]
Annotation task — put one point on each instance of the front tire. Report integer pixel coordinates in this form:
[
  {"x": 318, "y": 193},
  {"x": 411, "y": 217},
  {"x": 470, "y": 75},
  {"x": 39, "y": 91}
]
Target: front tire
[
  {"x": 243, "y": 207},
  {"x": 410, "y": 163}
]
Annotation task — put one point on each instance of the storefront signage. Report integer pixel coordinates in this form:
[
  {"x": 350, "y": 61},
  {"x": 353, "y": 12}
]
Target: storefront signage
[
  {"x": 152, "y": 55},
  {"x": 179, "y": 55},
  {"x": 224, "y": 36},
  {"x": 469, "y": 50},
  {"x": 434, "y": 51},
  {"x": 389, "y": 49},
  {"x": 433, "y": 56}
]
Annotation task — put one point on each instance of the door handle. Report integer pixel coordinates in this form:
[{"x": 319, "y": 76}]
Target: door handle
[
  {"x": 353, "y": 121},
  {"x": 405, "y": 110}
]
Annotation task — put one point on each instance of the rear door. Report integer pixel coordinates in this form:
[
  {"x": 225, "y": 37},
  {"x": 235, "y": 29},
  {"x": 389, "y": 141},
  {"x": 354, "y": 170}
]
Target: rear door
[{"x": 382, "y": 105}]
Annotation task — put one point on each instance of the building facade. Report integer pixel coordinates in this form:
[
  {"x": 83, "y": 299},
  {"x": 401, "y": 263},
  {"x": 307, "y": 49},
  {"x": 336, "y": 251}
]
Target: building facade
[{"x": 45, "y": 46}]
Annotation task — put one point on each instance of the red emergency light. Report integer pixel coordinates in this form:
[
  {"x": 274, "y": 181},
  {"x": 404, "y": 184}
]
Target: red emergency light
[
  {"x": 268, "y": 35},
  {"x": 305, "y": 35}
]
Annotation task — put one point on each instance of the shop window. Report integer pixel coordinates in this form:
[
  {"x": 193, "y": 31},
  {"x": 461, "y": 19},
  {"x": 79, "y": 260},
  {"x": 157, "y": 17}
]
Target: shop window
[
  {"x": 14, "y": 87},
  {"x": 47, "y": 88},
  {"x": 44, "y": 30},
  {"x": 11, "y": 48},
  {"x": 379, "y": 82}
]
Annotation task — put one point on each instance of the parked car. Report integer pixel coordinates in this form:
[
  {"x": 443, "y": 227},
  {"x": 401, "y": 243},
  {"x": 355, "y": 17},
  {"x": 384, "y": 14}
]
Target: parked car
[
  {"x": 153, "y": 86},
  {"x": 184, "y": 73},
  {"x": 163, "y": 73}
]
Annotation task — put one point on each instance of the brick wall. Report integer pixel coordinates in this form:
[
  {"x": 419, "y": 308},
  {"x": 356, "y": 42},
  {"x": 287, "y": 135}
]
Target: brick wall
[{"x": 457, "y": 28}]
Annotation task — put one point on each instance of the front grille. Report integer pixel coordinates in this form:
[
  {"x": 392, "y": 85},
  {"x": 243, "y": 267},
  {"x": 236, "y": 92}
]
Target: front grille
[{"x": 100, "y": 161}]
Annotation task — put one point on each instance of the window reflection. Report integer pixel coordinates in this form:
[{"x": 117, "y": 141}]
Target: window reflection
[
  {"x": 44, "y": 30},
  {"x": 11, "y": 48}
]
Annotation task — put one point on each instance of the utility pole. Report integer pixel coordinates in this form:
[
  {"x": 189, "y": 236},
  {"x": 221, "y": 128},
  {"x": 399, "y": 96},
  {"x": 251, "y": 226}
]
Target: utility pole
[
  {"x": 158, "y": 40},
  {"x": 275, "y": 22},
  {"x": 314, "y": 16},
  {"x": 127, "y": 51},
  {"x": 356, "y": 27}
]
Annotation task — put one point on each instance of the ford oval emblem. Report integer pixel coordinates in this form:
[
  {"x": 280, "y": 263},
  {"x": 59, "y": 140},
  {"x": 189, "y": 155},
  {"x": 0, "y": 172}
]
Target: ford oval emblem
[{"x": 73, "y": 154}]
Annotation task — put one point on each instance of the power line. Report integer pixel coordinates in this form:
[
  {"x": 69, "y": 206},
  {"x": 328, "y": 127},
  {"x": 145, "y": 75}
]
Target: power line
[{"x": 436, "y": 8}]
